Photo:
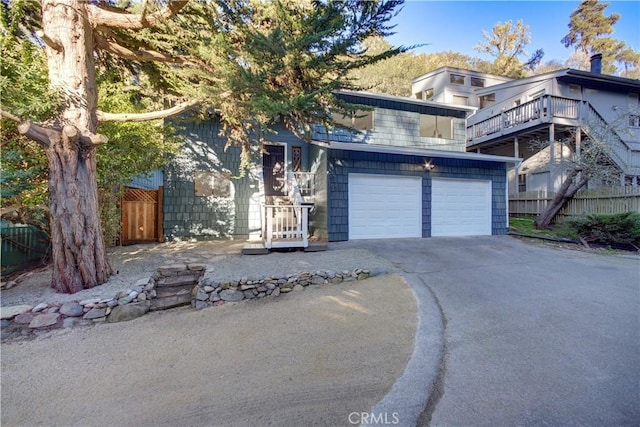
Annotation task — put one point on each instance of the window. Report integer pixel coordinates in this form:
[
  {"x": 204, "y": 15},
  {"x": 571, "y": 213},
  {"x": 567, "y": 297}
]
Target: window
[
  {"x": 522, "y": 182},
  {"x": 477, "y": 82},
  {"x": 487, "y": 100},
  {"x": 428, "y": 94},
  {"x": 517, "y": 102},
  {"x": 436, "y": 126},
  {"x": 418, "y": 95},
  {"x": 456, "y": 79},
  {"x": 296, "y": 159},
  {"x": 361, "y": 120},
  {"x": 634, "y": 120},
  {"x": 460, "y": 100},
  {"x": 212, "y": 184}
]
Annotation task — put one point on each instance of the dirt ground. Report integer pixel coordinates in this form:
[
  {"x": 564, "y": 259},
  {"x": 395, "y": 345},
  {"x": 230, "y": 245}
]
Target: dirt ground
[{"x": 310, "y": 357}]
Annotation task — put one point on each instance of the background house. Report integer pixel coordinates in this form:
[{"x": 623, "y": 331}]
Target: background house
[{"x": 527, "y": 118}]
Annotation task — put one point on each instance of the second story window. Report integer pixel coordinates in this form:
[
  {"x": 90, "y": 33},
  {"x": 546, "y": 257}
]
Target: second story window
[
  {"x": 436, "y": 126},
  {"x": 456, "y": 79},
  {"x": 360, "y": 120},
  {"x": 487, "y": 100},
  {"x": 477, "y": 82}
]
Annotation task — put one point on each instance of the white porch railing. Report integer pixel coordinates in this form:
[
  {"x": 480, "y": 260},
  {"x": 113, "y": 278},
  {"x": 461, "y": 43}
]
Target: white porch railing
[{"x": 287, "y": 225}]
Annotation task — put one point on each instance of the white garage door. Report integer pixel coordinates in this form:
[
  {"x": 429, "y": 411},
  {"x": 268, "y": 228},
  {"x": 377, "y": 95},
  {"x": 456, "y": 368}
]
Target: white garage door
[
  {"x": 460, "y": 207},
  {"x": 384, "y": 206}
]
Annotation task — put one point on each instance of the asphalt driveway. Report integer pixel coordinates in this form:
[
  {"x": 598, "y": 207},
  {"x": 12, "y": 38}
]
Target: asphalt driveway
[{"x": 533, "y": 334}]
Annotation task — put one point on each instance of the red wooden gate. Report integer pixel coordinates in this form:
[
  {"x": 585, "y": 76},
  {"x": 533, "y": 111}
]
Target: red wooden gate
[{"x": 141, "y": 216}]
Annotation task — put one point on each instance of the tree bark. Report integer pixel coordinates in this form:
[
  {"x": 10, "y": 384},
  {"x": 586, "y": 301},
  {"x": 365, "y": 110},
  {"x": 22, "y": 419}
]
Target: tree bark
[
  {"x": 79, "y": 255},
  {"x": 567, "y": 190}
]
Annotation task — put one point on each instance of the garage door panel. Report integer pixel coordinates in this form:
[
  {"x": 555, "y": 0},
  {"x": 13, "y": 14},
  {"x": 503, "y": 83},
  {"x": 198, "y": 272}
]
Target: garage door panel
[
  {"x": 460, "y": 207},
  {"x": 384, "y": 206}
]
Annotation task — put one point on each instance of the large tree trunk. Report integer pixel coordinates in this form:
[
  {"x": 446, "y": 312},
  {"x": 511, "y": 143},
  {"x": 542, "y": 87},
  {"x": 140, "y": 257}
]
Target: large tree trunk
[
  {"x": 567, "y": 190},
  {"x": 79, "y": 255}
]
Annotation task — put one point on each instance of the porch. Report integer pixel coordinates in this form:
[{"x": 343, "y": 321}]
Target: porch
[{"x": 285, "y": 217}]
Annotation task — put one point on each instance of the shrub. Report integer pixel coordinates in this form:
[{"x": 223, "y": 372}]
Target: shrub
[{"x": 613, "y": 229}]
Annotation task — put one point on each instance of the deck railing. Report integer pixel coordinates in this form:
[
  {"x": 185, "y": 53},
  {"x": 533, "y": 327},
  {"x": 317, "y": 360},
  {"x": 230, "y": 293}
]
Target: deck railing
[{"x": 546, "y": 108}]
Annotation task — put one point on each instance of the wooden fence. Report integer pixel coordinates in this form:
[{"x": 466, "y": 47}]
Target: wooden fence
[
  {"x": 141, "y": 216},
  {"x": 596, "y": 201}
]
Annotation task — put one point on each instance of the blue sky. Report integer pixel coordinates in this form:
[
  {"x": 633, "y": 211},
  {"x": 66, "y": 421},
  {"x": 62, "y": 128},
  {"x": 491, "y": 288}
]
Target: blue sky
[{"x": 457, "y": 25}]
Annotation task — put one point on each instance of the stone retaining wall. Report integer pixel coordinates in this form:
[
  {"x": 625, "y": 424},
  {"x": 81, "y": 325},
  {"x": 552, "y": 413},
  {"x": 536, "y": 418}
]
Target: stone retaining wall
[{"x": 171, "y": 286}]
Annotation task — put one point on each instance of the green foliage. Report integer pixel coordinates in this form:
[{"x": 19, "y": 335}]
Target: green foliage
[
  {"x": 392, "y": 76},
  {"x": 110, "y": 214},
  {"x": 134, "y": 148},
  {"x": 261, "y": 62},
  {"x": 613, "y": 229}
]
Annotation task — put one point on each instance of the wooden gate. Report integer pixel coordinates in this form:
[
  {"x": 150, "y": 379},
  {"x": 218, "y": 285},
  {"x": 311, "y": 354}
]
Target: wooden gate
[{"x": 141, "y": 216}]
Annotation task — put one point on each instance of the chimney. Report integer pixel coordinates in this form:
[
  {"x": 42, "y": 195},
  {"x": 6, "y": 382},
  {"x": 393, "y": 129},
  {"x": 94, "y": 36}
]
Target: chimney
[{"x": 596, "y": 63}]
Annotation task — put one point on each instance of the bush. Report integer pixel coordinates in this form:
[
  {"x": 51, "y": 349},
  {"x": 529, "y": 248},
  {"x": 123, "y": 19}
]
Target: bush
[{"x": 622, "y": 229}]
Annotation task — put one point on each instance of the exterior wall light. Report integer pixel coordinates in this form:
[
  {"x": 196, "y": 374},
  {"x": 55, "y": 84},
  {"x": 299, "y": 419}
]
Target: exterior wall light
[{"x": 428, "y": 165}]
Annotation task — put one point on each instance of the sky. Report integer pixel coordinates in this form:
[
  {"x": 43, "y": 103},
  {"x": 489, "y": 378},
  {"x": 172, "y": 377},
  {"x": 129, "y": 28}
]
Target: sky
[{"x": 457, "y": 25}]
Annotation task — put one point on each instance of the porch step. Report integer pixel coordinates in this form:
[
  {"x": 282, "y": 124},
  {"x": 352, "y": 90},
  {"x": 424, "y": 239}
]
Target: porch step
[
  {"x": 254, "y": 249},
  {"x": 316, "y": 247}
]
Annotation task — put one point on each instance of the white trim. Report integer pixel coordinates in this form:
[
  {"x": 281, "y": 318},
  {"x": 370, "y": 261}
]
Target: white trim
[
  {"x": 388, "y": 149},
  {"x": 408, "y": 100}
]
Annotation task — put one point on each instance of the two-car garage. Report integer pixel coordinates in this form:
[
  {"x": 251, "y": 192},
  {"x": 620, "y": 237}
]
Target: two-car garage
[{"x": 392, "y": 206}]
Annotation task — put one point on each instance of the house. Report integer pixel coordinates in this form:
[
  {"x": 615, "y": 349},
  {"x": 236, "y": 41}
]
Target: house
[
  {"x": 528, "y": 118},
  {"x": 405, "y": 174},
  {"x": 456, "y": 86}
]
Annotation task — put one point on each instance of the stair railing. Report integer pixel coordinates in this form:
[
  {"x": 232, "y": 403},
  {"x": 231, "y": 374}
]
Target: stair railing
[{"x": 287, "y": 224}]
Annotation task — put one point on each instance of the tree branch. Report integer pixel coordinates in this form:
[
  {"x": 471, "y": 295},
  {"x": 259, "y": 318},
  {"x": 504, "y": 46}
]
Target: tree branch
[
  {"x": 12, "y": 117},
  {"x": 136, "y": 55},
  {"x": 99, "y": 16},
  {"x": 141, "y": 117},
  {"x": 39, "y": 134}
]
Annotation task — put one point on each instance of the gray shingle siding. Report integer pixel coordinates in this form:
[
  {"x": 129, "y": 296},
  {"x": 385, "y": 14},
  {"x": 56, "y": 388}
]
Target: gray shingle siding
[
  {"x": 341, "y": 163},
  {"x": 189, "y": 216}
]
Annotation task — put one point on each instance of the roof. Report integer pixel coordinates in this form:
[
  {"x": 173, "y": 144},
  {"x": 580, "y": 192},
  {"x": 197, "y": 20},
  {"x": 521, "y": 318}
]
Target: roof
[
  {"x": 421, "y": 152},
  {"x": 586, "y": 78},
  {"x": 459, "y": 71},
  {"x": 405, "y": 104}
]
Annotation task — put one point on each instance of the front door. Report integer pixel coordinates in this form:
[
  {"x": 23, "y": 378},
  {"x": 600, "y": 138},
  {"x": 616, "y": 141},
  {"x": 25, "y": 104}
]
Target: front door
[{"x": 273, "y": 168}]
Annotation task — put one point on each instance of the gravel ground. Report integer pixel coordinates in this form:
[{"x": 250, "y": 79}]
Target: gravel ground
[{"x": 223, "y": 261}]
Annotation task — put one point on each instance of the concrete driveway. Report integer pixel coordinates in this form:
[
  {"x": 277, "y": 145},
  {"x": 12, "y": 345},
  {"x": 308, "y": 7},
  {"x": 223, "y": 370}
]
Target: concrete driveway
[{"x": 533, "y": 334}]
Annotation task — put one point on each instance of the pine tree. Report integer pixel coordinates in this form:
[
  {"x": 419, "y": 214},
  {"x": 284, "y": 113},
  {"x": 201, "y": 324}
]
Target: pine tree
[{"x": 588, "y": 30}]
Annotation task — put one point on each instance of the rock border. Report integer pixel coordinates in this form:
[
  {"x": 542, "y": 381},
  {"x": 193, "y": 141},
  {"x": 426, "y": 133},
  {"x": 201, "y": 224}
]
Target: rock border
[{"x": 171, "y": 286}]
